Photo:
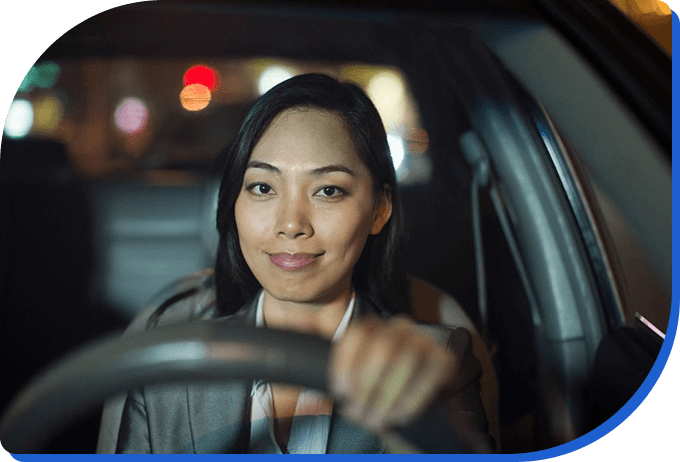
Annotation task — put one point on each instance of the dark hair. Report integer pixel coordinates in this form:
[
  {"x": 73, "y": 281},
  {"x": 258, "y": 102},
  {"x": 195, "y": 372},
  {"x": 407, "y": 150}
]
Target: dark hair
[{"x": 379, "y": 273}]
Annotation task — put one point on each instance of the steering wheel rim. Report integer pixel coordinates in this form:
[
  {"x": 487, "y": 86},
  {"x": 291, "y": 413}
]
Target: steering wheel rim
[{"x": 205, "y": 350}]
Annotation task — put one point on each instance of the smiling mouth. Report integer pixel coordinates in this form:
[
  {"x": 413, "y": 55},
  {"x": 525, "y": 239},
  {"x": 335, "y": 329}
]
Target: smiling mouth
[{"x": 292, "y": 262}]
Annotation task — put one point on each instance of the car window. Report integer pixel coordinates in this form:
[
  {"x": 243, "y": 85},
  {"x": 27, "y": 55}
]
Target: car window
[{"x": 128, "y": 117}]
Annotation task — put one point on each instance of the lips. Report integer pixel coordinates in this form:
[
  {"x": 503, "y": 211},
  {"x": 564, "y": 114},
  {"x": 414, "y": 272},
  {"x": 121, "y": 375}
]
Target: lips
[{"x": 292, "y": 262}]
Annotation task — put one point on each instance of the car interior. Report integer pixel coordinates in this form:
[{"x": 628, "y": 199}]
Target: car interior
[{"x": 515, "y": 231}]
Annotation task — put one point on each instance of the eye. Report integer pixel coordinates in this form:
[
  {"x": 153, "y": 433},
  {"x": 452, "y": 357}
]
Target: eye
[
  {"x": 259, "y": 189},
  {"x": 331, "y": 192}
]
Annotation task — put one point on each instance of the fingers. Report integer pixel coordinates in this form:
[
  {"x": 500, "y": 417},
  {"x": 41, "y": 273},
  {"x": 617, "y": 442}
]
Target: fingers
[
  {"x": 386, "y": 373},
  {"x": 422, "y": 370},
  {"x": 346, "y": 357},
  {"x": 397, "y": 381}
]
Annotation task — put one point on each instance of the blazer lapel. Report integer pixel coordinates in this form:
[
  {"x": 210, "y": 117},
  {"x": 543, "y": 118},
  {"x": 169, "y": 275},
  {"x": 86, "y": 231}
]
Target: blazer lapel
[{"x": 219, "y": 412}]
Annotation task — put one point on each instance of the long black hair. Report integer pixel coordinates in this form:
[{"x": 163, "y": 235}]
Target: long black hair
[{"x": 379, "y": 273}]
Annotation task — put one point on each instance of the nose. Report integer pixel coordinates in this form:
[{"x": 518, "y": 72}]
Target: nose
[{"x": 293, "y": 219}]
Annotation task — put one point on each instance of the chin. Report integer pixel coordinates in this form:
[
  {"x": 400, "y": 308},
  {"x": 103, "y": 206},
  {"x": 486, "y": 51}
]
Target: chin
[
  {"x": 294, "y": 294},
  {"x": 303, "y": 293}
]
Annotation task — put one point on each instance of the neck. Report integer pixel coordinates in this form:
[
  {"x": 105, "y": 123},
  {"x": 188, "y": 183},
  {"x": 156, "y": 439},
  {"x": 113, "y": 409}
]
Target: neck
[{"x": 316, "y": 318}]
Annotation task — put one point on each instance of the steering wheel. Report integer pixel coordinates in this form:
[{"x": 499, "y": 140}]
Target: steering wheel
[{"x": 205, "y": 350}]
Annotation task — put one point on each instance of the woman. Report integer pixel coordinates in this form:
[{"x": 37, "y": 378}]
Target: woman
[{"x": 310, "y": 237}]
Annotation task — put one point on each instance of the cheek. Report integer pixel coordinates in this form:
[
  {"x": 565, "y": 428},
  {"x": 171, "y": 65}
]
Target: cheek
[
  {"x": 250, "y": 222},
  {"x": 349, "y": 229}
]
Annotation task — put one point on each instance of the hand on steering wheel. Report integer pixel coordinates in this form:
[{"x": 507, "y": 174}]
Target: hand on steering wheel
[
  {"x": 48, "y": 403},
  {"x": 386, "y": 373}
]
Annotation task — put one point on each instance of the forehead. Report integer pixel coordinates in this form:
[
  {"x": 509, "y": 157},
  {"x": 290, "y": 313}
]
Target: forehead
[{"x": 302, "y": 139}]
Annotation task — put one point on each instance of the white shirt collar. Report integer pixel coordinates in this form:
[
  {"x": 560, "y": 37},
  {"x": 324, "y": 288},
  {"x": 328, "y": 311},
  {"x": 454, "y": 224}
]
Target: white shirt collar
[
  {"x": 339, "y": 331},
  {"x": 309, "y": 434}
]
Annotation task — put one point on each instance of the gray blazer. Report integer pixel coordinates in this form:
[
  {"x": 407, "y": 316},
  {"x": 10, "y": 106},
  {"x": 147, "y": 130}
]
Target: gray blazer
[{"x": 213, "y": 417}]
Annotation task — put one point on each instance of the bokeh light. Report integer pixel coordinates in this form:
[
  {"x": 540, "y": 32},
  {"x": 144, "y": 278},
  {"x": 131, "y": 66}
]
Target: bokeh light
[
  {"x": 397, "y": 151},
  {"x": 19, "y": 119},
  {"x": 204, "y": 75},
  {"x": 131, "y": 116},
  {"x": 387, "y": 91},
  {"x": 417, "y": 141},
  {"x": 48, "y": 111},
  {"x": 662, "y": 8},
  {"x": 44, "y": 76},
  {"x": 195, "y": 97},
  {"x": 47, "y": 75},
  {"x": 29, "y": 80},
  {"x": 271, "y": 77}
]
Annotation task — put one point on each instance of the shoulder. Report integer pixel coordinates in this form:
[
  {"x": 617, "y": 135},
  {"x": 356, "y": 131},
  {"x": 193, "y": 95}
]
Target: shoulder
[
  {"x": 432, "y": 304},
  {"x": 191, "y": 298},
  {"x": 455, "y": 336},
  {"x": 459, "y": 343}
]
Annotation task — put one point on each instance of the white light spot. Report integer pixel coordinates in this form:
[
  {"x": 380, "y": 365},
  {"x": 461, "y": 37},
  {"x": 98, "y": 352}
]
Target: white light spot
[
  {"x": 19, "y": 119},
  {"x": 387, "y": 91},
  {"x": 271, "y": 77},
  {"x": 396, "y": 145}
]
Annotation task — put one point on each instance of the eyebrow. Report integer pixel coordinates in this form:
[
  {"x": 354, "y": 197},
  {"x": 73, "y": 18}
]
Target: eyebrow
[
  {"x": 315, "y": 172},
  {"x": 263, "y": 166}
]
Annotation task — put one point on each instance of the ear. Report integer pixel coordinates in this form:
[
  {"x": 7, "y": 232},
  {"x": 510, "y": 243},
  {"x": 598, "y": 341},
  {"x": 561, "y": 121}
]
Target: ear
[{"x": 383, "y": 210}]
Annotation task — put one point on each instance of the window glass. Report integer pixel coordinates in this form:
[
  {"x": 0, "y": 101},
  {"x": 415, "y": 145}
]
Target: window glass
[{"x": 123, "y": 116}]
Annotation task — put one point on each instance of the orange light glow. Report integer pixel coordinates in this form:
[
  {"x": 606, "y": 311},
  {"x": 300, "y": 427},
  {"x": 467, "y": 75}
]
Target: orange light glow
[
  {"x": 195, "y": 97},
  {"x": 417, "y": 141}
]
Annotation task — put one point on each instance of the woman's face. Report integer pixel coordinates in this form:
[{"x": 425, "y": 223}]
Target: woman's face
[{"x": 306, "y": 207}]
